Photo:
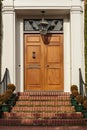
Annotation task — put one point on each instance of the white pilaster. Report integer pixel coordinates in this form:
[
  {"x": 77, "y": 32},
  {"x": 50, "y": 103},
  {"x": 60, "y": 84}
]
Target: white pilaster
[
  {"x": 67, "y": 75},
  {"x": 8, "y": 45},
  {"x": 19, "y": 55},
  {"x": 76, "y": 43}
]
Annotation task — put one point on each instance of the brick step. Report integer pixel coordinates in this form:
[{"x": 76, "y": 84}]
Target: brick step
[
  {"x": 40, "y": 122},
  {"x": 43, "y": 108},
  {"x": 43, "y": 103},
  {"x": 43, "y": 115},
  {"x": 44, "y": 98},
  {"x": 43, "y": 93},
  {"x": 29, "y": 109}
]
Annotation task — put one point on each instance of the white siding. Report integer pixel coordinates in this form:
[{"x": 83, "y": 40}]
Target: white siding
[{"x": 12, "y": 49}]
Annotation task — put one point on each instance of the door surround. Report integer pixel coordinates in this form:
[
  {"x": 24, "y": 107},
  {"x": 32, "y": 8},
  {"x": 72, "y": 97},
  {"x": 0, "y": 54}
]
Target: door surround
[{"x": 20, "y": 54}]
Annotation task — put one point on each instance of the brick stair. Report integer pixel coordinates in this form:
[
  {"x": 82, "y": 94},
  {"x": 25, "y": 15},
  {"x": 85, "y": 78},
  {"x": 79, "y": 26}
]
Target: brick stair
[{"x": 43, "y": 108}]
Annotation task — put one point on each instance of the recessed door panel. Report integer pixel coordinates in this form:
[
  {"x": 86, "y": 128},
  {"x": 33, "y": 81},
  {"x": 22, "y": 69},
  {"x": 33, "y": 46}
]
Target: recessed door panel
[
  {"x": 53, "y": 76},
  {"x": 53, "y": 54},
  {"x": 34, "y": 77},
  {"x": 33, "y": 53},
  {"x": 33, "y": 62},
  {"x": 54, "y": 63}
]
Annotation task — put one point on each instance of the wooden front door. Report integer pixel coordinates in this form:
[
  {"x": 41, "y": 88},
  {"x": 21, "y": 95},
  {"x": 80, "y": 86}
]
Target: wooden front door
[{"x": 43, "y": 62}]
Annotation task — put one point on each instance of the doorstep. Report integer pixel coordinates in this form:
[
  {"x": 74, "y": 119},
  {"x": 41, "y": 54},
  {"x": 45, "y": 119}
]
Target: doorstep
[{"x": 43, "y": 128}]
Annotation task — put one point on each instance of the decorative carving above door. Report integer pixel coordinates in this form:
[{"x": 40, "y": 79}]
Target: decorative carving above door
[{"x": 55, "y": 26}]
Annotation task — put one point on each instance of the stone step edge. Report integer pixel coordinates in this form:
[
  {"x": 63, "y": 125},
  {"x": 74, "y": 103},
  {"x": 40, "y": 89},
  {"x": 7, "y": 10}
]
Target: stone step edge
[
  {"x": 69, "y": 101},
  {"x": 44, "y": 117},
  {"x": 43, "y": 122},
  {"x": 42, "y": 111},
  {"x": 19, "y": 114},
  {"x": 42, "y": 105},
  {"x": 42, "y": 100},
  {"x": 53, "y": 112},
  {"x": 40, "y": 118},
  {"x": 61, "y": 106},
  {"x": 40, "y": 93},
  {"x": 43, "y": 95}
]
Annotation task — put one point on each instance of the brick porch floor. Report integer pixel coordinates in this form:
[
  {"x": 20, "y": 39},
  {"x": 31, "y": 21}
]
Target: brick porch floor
[{"x": 43, "y": 128}]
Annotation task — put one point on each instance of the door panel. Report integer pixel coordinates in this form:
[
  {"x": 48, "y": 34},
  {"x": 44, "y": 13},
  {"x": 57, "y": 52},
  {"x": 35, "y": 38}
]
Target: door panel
[
  {"x": 53, "y": 54},
  {"x": 33, "y": 39},
  {"x": 53, "y": 76},
  {"x": 33, "y": 80},
  {"x": 43, "y": 62},
  {"x": 33, "y": 54},
  {"x": 33, "y": 62},
  {"x": 54, "y": 63}
]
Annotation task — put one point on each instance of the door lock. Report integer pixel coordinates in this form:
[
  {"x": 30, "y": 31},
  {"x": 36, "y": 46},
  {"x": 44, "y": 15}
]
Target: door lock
[{"x": 47, "y": 66}]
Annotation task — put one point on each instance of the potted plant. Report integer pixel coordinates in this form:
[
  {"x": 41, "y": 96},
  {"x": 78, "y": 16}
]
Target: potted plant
[
  {"x": 5, "y": 108},
  {"x": 0, "y": 100},
  {"x": 85, "y": 108},
  {"x": 79, "y": 99},
  {"x": 74, "y": 94},
  {"x": 73, "y": 87},
  {"x": 73, "y": 102},
  {"x": 0, "y": 110},
  {"x": 6, "y": 96},
  {"x": 11, "y": 86},
  {"x": 12, "y": 100}
]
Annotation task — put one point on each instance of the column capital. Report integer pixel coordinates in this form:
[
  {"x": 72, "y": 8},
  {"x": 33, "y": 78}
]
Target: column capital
[
  {"x": 8, "y": 6},
  {"x": 8, "y": 9},
  {"x": 8, "y": 2},
  {"x": 76, "y": 2},
  {"x": 76, "y": 9}
]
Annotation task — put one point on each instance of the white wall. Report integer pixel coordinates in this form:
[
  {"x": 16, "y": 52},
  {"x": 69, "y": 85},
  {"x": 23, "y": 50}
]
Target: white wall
[
  {"x": 67, "y": 56},
  {"x": 12, "y": 50},
  {"x": 76, "y": 43},
  {"x": 41, "y": 3},
  {"x": 19, "y": 55},
  {"x": 8, "y": 46},
  {"x": 82, "y": 38}
]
